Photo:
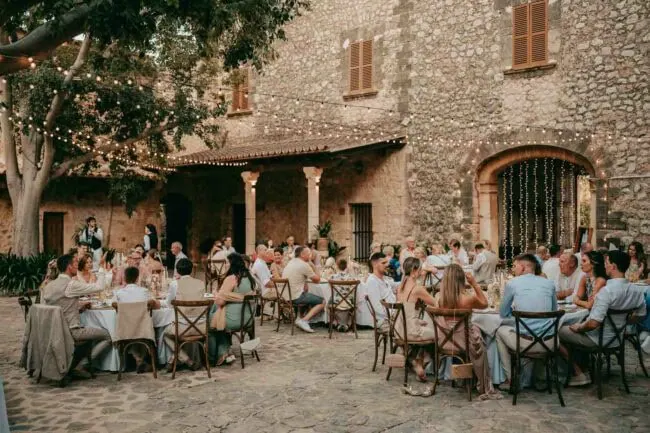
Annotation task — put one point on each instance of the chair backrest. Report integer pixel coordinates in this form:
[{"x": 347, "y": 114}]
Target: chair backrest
[
  {"x": 133, "y": 321},
  {"x": 282, "y": 286},
  {"x": 372, "y": 311},
  {"x": 215, "y": 269},
  {"x": 248, "y": 304},
  {"x": 429, "y": 282},
  {"x": 396, "y": 321},
  {"x": 541, "y": 337},
  {"x": 193, "y": 323},
  {"x": 445, "y": 334},
  {"x": 344, "y": 293},
  {"x": 618, "y": 338}
]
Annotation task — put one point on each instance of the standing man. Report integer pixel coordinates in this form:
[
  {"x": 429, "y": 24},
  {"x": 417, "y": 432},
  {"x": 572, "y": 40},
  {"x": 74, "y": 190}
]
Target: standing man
[
  {"x": 485, "y": 264},
  {"x": 291, "y": 246},
  {"x": 93, "y": 236},
  {"x": 177, "y": 251},
  {"x": 227, "y": 246}
]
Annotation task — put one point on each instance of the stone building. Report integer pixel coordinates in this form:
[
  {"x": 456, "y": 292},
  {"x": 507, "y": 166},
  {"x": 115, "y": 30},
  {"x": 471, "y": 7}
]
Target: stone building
[{"x": 433, "y": 118}]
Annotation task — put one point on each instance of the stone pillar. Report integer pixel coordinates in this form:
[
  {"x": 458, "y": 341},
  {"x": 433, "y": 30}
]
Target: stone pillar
[
  {"x": 250, "y": 180},
  {"x": 488, "y": 213},
  {"x": 313, "y": 175}
]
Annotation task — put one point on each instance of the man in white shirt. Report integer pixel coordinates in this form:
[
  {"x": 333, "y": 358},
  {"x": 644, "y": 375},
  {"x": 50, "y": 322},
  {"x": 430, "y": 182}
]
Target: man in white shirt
[
  {"x": 380, "y": 288},
  {"x": 618, "y": 294},
  {"x": 552, "y": 266},
  {"x": 177, "y": 251},
  {"x": 93, "y": 236},
  {"x": 227, "y": 246},
  {"x": 260, "y": 269},
  {"x": 566, "y": 284},
  {"x": 134, "y": 293},
  {"x": 299, "y": 271}
]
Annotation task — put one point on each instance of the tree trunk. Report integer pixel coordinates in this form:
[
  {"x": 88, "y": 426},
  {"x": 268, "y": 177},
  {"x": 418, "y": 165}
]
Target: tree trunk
[{"x": 26, "y": 219}]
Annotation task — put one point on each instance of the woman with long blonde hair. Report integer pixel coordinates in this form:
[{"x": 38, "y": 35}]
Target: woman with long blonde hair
[{"x": 452, "y": 296}]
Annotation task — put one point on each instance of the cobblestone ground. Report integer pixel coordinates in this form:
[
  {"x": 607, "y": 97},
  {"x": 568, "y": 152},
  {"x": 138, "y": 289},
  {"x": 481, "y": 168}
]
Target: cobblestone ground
[{"x": 304, "y": 383}]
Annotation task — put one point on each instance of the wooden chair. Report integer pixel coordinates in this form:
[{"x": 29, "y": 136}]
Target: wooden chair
[
  {"x": 381, "y": 335},
  {"x": 286, "y": 309},
  {"x": 193, "y": 332},
  {"x": 247, "y": 327},
  {"x": 263, "y": 300},
  {"x": 25, "y": 301},
  {"x": 550, "y": 356},
  {"x": 215, "y": 270},
  {"x": 614, "y": 346},
  {"x": 632, "y": 335},
  {"x": 430, "y": 281},
  {"x": 397, "y": 335},
  {"x": 345, "y": 293},
  {"x": 123, "y": 345},
  {"x": 445, "y": 336}
]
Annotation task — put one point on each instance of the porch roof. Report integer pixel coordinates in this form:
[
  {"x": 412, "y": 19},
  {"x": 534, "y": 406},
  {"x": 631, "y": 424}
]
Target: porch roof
[{"x": 285, "y": 148}]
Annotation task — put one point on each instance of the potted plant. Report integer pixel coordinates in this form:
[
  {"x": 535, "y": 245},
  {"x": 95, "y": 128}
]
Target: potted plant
[
  {"x": 323, "y": 235},
  {"x": 334, "y": 249}
]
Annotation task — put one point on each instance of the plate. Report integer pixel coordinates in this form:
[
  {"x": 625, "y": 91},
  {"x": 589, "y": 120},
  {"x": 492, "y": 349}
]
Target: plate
[{"x": 207, "y": 295}]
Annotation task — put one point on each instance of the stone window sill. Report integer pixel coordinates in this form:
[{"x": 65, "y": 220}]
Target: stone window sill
[
  {"x": 361, "y": 94},
  {"x": 239, "y": 113},
  {"x": 546, "y": 67}
]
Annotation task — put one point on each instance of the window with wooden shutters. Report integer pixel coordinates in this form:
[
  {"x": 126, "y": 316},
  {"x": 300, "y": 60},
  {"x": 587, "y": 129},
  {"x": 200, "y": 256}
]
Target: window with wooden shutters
[
  {"x": 530, "y": 35},
  {"x": 240, "y": 88},
  {"x": 361, "y": 67}
]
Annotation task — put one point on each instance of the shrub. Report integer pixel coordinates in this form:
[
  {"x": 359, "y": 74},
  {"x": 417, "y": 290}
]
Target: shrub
[{"x": 21, "y": 274}]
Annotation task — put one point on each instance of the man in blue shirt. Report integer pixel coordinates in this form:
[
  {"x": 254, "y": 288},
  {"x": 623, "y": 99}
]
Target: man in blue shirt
[{"x": 526, "y": 292}]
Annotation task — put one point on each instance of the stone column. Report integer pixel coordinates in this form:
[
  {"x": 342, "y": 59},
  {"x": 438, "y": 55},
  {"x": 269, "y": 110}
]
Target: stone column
[
  {"x": 488, "y": 213},
  {"x": 313, "y": 175},
  {"x": 250, "y": 180}
]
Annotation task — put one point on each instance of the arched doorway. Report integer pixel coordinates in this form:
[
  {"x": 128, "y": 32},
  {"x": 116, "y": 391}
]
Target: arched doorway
[
  {"x": 530, "y": 195},
  {"x": 178, "y": 217}
]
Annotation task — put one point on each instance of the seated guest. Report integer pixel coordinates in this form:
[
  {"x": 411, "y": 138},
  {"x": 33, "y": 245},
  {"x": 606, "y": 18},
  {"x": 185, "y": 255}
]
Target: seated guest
[
  {"x": 452, "y": 296},
  {"x": 393, "y": 269},
  {"x": 585, "y": 248},
  {"x": 289, "y": 250},
  {"x": 85, "y": 273},
  {"x": 618, "y": 294},
  {"x": 342, "y": 274},
  {"x": 593, "y": 279},
  {"x": 315, "y": 257},
  {"x": 134, "y": 259},
  {"x": 64, "y": 291},
  {"x": 526, "y": 292},
  {"x": 82, "y": 249},
  {"x": 185, "y": 288},
  {"x": 638, "y": 265},
  {"x": 566, "y": 284},
  {"x": 329, "y": 269},
  {"x": 277, "y": 267},
  {"x": 239, "y": 280},
  {"x": 420, "y": 254},
  {"x": 379, "y": 288},
  {"x": 299, "y": 271},
  {"x": 140, "y": 248},
  {"x": 551, "y": 267},
  {"x": 375, "y": 247},
  {"x": 134, "y": 293},
  {"x": 408, "y": 250},
  {"x": 542, "y": 255},
  {"x": 260, "y": 269},
  {"x": 485, "y": 264},
  {"x": 153, "y": 262},
  {"x": 458, "y": 254},
  {"x": 409, "y": 293}
]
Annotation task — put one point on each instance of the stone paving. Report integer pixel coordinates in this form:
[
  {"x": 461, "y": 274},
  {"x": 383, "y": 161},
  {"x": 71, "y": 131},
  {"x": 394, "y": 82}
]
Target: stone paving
[{"x": 305, "y": 383}]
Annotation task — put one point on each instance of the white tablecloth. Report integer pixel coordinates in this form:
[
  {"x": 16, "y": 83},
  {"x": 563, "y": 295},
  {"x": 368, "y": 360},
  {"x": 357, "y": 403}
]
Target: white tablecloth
[{"x": 105, "y": 318}]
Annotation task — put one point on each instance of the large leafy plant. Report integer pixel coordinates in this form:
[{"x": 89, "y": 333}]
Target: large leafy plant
[{"x": 21, "y": 274}]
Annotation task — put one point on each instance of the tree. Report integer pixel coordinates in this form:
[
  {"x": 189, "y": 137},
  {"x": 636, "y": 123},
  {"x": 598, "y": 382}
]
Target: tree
[{"x": 126, "y": 92}]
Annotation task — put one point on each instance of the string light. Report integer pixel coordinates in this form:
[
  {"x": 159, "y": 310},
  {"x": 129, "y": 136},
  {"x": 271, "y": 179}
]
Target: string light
[
  {"x": 535, "y": 204},
  {"x": 505, "y": 215},
  {"x": 526, "y": 206},
  {"x": 546, "y": 206},
  {"x": 512, "y": 231},
  {"x": 562, "y": 186},
  {"x": 521, "y": 208}
]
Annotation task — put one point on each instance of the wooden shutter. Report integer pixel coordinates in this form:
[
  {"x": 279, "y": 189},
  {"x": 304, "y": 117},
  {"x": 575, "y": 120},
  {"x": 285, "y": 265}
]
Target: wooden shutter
[
  {"x": 240, "y": 91},
  {"x": 366, "y": 65},
  {"x": 520, "y": 36},
  {"x": 355, "y": 66},
  {"x": 538, "y": 33}
]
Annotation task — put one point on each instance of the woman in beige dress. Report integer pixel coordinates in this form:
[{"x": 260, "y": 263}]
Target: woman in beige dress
[
  {"x": 85, "y": 274},
  {"x": 409, "y": 293},
  {"x": 453, "y": 296}
]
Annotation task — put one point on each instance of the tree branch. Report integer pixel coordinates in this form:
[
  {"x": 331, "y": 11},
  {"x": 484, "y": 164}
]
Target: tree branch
[
  {"x": 13, "y": 8},
  {"x": 40, "y": 42},
  {"x": 87, "y": 157}
]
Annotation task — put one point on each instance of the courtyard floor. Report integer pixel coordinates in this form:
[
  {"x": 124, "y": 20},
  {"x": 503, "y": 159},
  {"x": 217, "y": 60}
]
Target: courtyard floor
[{"x": 304, "y": 383}]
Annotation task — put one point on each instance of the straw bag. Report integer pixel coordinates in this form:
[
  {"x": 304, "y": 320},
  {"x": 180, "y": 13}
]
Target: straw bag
[{"x": 461, "y": 371}]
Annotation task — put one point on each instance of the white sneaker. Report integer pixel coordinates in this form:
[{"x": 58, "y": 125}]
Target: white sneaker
[
  {"x": 302, "y": 324},
  {"x": 579, "y": 380},
  {"x": 251, "y": 345}
]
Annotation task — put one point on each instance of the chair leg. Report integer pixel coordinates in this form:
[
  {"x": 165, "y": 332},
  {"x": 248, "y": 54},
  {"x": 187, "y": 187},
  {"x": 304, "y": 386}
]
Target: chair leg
[
  {"x": 176, "y": 352},
  {"x": 331, "y": 314},
  {"x": 154, "y": 361},
  {"x": 277, "y": 329},
  {"x": 406, "y": 367},
  {"x": 569, "y": 367},
  {"x": 374, "y": 365},
  {"x": 354, "y": 323},
  {"x": 609, "y": 365},
  {"x": 557, "y": 379},
  {"x": 292, "y": 319},
  {"x": 621, "y": 361},
  {"x": 637, "y": 345},
  {"x": 121, "y": 360},
  {"x": 437, "y": 361},
  {"x": 383, "y": 358},
  {"x": 241, "y": 351},
  {"x": 205, "y": 357},
  {"x": 514, "y": 381},
  {"x": 91, "y": 370},
  {"x": 390, "y": 369},
  {"x": 597, "y": 372},
  {"x": 262, "y": 303},
  {"x": 549, "y": 386}
]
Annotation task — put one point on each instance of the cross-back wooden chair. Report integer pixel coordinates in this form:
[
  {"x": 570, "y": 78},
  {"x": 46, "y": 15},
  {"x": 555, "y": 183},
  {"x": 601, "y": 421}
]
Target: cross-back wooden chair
[
  {"x": 397, "y": 335},
  {"x": 123, "y": 345},
  {"x": 25, "y": 301},
  {"x": 430, "y": 281},
  {"x": 286, "y": 308},
  {"x": 446, "y": 345},
  {"x": 551, "y": 354},
  {"x": 215, "y": 270},
  {"x": 632, "y": 335},
  {"x": 380, "y": 334},
  {"x": 246, "y": 327},
  {"x": 343, "y": 298},
  {"x": 614, "y": 346},
  {"x": 194, "y": 331}
]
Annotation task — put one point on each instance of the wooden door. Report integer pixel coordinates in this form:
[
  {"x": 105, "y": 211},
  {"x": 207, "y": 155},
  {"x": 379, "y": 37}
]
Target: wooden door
[{"x": 53, "y": 233}]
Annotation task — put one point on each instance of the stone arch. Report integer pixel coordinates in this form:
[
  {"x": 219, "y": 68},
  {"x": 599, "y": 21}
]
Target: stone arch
[{"x": 485, "y": 189}]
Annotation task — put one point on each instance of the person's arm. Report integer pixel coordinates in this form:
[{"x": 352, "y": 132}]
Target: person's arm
[
  {"x": 480, "y": 260},
  {"x": 147, "y": 243},
  {"x": 506, "y": 303},
  {"x": 480, "y": 301},
  {"x": 582, "y": 291},
  {"x": 597, "y": 315},
  {"x": 99, "y": 235},
  {"x": 76, "y": 288},
  {"x": 312, "y": 274},
  {"x": 563, "y": 294},
  {"x": 423, "y": 295},
  {"x": 171, "y": 294},
  {"x": 228, "y": 286}
]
